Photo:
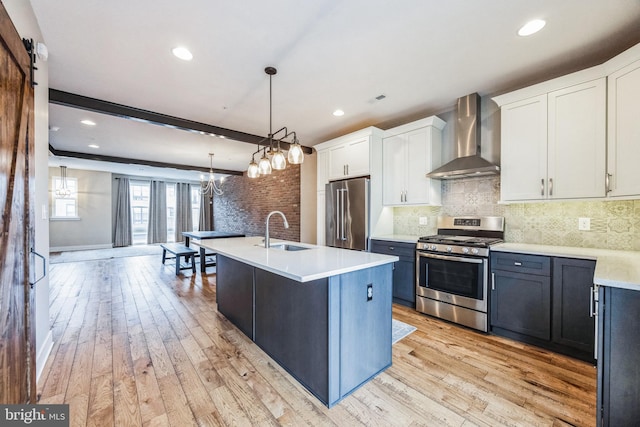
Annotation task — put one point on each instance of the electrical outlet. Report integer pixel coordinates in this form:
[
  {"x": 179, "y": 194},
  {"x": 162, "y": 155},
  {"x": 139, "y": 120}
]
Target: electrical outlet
[
  {"x": 423, "y": 220},
  {"x": 584, "y": 224}
]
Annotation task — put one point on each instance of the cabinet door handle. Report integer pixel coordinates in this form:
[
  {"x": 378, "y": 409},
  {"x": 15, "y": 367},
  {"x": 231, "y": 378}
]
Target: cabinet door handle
[
  {"x": 518, "y": 263},
  {"x": 347, "y": 169},
  {"x": 550, "y": 186},
  {"x": 391, "y": 248},
  {"x": 542, "y": 187},
  {"x": 493, "y": 281},
  {"x": 405, "y": 196},
  {"x": 607, "y": 182}
]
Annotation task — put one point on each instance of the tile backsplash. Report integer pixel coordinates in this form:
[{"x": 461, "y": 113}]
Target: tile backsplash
[{"x": 614, "y": 224}]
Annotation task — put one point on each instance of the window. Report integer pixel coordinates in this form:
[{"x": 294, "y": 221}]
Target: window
[
  {"x": 65, "y": 207},
  {"x": 195, "y": 207},
  {"x": 171, "y": 212},
  {"x": 139, "y": 193}
]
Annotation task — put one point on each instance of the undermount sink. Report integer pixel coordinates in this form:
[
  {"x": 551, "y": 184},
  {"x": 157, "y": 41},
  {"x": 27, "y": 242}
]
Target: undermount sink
[{"x": 287, "y": 247}]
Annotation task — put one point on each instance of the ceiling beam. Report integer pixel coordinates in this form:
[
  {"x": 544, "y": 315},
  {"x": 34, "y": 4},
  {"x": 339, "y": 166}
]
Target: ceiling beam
[
  {"x": 67, "y": 99},
  {"x": 126, "y": 161}
]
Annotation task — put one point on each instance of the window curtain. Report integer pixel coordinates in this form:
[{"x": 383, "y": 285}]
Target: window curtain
[
  {"x": 184, "y": 221},
  {"x": 206, "y": 213},
  {"x": 122, "y": 221},
  {"x": 157, "y": 232}
]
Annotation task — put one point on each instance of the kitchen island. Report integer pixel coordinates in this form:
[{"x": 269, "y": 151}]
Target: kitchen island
[{"x": 323, "y": 314}]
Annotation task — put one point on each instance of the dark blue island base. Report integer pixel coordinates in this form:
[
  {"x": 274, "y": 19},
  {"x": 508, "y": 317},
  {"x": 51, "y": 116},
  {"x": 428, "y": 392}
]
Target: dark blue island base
[{"x": 332, "y": 334}]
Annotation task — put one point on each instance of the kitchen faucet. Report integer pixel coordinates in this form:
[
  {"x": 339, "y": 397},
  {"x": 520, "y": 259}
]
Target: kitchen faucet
[{"x": 266, "y": 231}]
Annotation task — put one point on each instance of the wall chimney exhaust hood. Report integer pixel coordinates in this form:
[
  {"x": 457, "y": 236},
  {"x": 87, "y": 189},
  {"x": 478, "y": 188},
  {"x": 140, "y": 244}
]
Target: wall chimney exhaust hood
[{"x": 468, "y": 162}]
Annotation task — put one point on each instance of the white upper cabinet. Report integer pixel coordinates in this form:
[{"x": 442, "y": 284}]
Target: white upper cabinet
[
  {"x": 553, "y": 145},
  {"x": 409, "y": 153},
  {"x": 577, "y": 144},
  {"x": 624, "y": 131},
  {"x": 524, "y": 149},
  {"x": 347, "y": 156},
  {"x": 349, "y": 159}
]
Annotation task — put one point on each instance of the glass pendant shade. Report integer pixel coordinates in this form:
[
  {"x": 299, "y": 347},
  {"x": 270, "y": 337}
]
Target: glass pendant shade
[
  {"x": 264, "y": 165},
  {"x": 252, "y": 170},
  {"x": 278, "y": 162},
  {"x": 295, "y": 155}
]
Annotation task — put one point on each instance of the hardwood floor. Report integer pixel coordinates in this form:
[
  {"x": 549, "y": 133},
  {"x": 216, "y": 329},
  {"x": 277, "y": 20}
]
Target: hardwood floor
[{"x": 136, "y": 345}]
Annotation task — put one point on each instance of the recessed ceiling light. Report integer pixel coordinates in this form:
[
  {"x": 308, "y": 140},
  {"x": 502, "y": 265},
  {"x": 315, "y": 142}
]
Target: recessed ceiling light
[
  {"x": 531, "y": 27},
  {"x": 88, "y": 122},
  {"x": 94, "y": 146},
  {"x": 182, "y": 53},
  {"x": 222, "y": 136},
  {"x": 338, "y": 113}
]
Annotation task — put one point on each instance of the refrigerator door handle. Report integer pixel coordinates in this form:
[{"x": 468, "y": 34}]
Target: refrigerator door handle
[
  {"x": 338, "y": 191},
  {"x": 342, "y": 211}
]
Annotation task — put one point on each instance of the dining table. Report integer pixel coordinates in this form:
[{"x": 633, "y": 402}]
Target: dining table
[{"x": 206, "y": 234}]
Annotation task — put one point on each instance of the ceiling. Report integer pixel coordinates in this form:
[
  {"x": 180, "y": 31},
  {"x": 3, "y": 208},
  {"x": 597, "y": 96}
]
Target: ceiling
[{"x": 421, "y": 54}]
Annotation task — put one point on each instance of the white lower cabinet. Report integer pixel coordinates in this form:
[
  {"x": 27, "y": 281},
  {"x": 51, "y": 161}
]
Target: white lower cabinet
[{"x": 409, "y": 153}]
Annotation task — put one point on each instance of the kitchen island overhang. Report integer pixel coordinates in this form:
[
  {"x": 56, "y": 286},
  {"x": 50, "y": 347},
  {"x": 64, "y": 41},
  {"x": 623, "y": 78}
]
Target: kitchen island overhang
[{"x": 323, "y": 314}]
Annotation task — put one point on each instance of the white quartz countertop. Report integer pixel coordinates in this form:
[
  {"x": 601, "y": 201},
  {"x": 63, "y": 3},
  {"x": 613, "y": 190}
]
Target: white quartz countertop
[
  {"x": 405, "y": 238},
  {"x": 315, "y": 263},
  {"x": 619, "y": 269}
]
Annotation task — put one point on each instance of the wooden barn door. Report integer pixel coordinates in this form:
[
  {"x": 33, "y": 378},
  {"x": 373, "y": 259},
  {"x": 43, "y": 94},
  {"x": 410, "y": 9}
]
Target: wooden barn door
[{"x": 17, "y": 336}]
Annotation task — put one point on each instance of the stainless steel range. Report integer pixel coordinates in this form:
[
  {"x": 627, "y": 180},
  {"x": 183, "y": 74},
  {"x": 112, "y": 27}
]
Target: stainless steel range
[{"x": 452, "y": 269}]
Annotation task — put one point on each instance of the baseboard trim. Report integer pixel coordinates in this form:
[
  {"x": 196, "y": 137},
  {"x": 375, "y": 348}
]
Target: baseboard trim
[
  {"x": 79, "y": 248},
  {"x": 43, "y": 355}
]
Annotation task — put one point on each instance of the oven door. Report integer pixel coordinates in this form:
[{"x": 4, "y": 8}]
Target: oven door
[{"x": 457, "y": 280}]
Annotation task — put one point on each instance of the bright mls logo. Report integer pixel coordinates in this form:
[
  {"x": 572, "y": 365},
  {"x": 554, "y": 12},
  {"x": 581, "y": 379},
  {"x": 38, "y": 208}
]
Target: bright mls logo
[{"x": 34, "y": 415}]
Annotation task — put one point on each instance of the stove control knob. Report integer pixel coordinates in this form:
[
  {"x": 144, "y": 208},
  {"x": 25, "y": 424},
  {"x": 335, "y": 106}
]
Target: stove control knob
[
  {"x": 465, "y": 250},
  {"x": 433, "y": 247},
  {"x": 474, "y": 251},
  {"x": 449, "y": 249}
]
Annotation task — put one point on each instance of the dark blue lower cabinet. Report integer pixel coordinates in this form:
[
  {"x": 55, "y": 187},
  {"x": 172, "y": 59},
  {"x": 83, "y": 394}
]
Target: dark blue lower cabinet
[
  {"x": 618, "y": 402},
  {"x": 331, "y": 334},
  {"x": 234, "y": 293}
]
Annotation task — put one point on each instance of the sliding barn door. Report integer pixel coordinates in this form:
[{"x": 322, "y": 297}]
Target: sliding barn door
[{"x": 17, "y": 336}]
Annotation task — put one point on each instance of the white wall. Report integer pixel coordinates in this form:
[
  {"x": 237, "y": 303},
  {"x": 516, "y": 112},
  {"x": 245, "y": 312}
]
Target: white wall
[
  {"x": 25, "y": 22},
  {"x": 93, "y": 229},
  {"x": 308, "y": 217}
]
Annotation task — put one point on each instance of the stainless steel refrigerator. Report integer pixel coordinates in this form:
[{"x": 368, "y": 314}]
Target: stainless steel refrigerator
[{"x": 347, "y": 214}]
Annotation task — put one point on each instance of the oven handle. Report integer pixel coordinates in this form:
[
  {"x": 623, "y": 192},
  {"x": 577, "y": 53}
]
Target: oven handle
[{"x": 452, "y": 258}]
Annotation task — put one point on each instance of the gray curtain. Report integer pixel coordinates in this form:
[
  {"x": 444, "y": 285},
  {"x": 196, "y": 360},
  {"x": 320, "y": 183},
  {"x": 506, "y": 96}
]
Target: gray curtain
[
  {"x": 157, "y": 232},
  {"x": 206, "y": 213},
  {"x": 184, "y": 221},
  {"x": 122, "y": 222}
]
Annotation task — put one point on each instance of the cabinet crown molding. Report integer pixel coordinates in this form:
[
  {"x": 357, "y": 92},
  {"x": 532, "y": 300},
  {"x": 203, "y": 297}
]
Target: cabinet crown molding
[
  {"x": 362, "y": 133},
  {"x": 434, "y": 121}
]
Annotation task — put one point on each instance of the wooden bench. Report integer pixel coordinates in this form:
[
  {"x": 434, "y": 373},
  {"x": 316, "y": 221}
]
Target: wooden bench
[{"x": 180, "y": 250}]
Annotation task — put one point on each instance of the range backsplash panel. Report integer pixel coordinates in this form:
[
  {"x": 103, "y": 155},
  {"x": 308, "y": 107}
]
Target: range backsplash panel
[{"x": 614, "y": 224}]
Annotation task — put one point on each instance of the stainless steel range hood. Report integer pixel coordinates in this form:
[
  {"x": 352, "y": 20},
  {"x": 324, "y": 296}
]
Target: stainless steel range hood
[{"x": 468, "y": 162}]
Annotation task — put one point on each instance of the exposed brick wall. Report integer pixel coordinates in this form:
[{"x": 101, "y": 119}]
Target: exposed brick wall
[{"x": 245, "y": 204}]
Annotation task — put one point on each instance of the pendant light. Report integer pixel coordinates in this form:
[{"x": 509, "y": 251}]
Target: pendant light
[
  {"x": 252, "y": 170},
  {"x": 278, "y": 160},
  {"x": 295, "y": 156},
  {"x": 63, "y": 190},
  {"x": 210, "y": 187},
  {"x": 264, "y": 165}
]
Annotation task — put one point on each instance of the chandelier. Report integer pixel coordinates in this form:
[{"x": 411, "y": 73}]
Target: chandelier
[
  {"x": 210, "y": 187},
  {"x": 274, "y": 158},
  {"x": 63, "y": 190}
]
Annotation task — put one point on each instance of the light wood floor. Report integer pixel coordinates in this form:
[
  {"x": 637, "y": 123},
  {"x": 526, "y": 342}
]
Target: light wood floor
[{"x": 134, "y": 345}]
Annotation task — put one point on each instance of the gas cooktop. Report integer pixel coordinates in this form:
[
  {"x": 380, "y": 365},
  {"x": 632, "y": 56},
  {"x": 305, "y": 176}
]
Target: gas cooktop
[{"x": 472, "y": 241}]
